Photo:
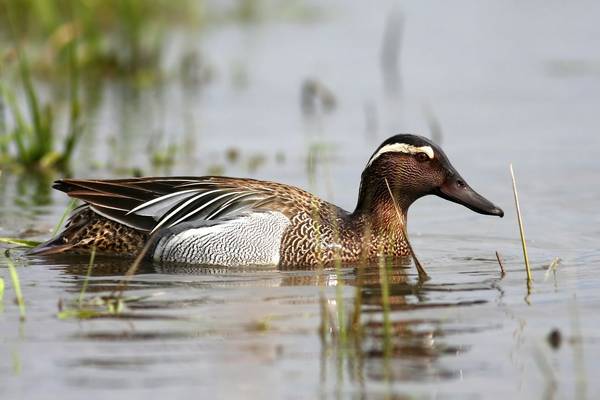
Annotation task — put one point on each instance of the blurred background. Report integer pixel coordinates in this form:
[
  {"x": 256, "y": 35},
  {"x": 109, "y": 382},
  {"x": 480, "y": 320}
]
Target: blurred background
[
  {"x": 296, "y": 91},
  {"x": 302, "y": 92}
]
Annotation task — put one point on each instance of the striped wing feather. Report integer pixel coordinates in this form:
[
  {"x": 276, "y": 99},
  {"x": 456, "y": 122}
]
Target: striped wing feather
[{"x": 148, "y": 204}]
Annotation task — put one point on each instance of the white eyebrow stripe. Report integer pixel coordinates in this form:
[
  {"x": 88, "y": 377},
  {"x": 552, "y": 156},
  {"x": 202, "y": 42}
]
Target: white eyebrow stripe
[{"x": 402, "y": 148}]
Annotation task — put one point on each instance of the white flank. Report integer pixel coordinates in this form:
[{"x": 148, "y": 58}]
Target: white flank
[
  {"x": 250, "y": 239},
  {"x": 401, "y": 148}
]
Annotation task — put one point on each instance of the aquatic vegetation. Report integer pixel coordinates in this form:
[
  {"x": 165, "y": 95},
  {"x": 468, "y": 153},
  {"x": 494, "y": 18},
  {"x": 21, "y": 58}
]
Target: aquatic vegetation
[
  {"x": 385, "y": 305},
  {"x": 119, "y": 38},
  {"x": 70, "y": 207},
  {"x": 109, "y": 306},
  {"x": 87, "y": 277},
  {"x": 114, "y": 37},
  {"x": 552, "y": 269},
  {"x": 14, "y": 277},
  {"x": 90, "y": 41},
  {"x": 19, "y": 242},
  {"x": 30, "y": 136},
  {"x": 501, "y": 263},
  {"x": 96, "y": 307},
  {"x": 317, "y": 153},
  {"x": 422, "y": 273},
  {"x": 521, "y": 230},
  {"x": 163, "y": 158},
  {"x": 316, "y": 97}
]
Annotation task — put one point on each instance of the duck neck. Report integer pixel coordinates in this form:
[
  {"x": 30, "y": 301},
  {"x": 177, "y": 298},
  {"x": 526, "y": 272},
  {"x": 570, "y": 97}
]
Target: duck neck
[{"x": 385, "y": 214}]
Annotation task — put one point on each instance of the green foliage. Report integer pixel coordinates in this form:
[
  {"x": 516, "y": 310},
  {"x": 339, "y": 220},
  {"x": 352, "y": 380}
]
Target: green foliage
[
  {"x": 31, "y": 129},
  {"x": 114, "y": 36}
]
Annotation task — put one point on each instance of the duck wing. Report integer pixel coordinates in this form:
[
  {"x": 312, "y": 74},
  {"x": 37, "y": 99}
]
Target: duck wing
[{"x": 152, "y": 203}]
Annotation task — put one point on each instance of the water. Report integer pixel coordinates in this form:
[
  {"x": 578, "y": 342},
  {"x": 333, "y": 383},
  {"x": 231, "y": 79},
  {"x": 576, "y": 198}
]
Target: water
[{"x": 507, "y": 82}]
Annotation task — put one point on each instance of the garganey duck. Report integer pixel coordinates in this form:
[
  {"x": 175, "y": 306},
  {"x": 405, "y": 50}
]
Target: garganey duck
[{"x": 239, "y": 222}]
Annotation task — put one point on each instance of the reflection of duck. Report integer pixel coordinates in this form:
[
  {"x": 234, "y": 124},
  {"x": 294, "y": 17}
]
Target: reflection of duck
[
  {"x": 231, "y": 221},
  {"x": 384, "y": 343}
]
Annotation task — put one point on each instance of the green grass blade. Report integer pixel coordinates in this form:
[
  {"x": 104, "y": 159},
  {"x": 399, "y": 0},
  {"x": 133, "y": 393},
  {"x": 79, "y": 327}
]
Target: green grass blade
[
  {"x": 19, "y": 242},
  {"x": 521, "y": 229},
  {"x": 21, "y": 130},
  {"x": 70, "y": 207},
  {"x": 31, "y": 96},
  {"x": 87, "y": 277},
  {"x": 14, "y": 276},
  {"x": 79, "y": 314}
]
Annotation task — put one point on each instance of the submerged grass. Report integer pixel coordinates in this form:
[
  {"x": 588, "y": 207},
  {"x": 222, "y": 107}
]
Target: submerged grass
[
  {"x": 98, "y": 307},
  {"x": 87, "y": 277},
  {"x": 111, "y": 306},
  {"x": 385, "y": 304}
]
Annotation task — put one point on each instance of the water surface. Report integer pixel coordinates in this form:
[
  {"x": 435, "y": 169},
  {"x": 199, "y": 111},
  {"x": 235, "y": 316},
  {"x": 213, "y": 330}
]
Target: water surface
[{"x": 506, "y": 82}]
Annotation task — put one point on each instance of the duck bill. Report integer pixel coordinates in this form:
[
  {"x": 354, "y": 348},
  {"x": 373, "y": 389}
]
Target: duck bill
[{"x": 456, "y": 190}]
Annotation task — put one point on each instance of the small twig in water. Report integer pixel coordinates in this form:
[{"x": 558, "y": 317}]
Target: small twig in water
[
  {"x": 521, "y": 230},
  {"x": 499, "y": 258}
]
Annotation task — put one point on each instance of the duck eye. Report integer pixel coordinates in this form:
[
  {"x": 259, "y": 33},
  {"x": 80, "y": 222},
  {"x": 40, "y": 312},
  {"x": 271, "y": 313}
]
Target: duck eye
[{"x": 422, "y": 157}]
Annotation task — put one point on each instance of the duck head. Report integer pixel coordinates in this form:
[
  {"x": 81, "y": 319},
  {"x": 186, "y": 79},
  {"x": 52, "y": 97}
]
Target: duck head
[{"x": 411, "y": 167}]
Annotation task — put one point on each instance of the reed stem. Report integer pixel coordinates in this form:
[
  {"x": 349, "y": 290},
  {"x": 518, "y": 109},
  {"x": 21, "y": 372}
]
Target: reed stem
[
  {"x": 422, "y": 273},
  {"x": 521, "y": 230}
]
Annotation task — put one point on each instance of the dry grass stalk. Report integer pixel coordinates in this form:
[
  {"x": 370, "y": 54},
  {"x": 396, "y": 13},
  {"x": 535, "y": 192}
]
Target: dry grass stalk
[
  {"x": 499, "y": 258},
  {"x": 521, "y": 230},
  {"x": 422, "y": 273},
  {"x": 132, "y": 270}
]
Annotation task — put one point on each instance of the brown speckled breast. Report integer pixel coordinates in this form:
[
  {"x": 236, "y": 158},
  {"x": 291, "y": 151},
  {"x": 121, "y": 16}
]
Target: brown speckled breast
[
  {"x": 324, "y": 237},
  {"x": 87, "y": 230}
]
